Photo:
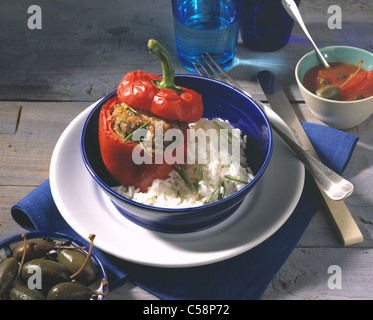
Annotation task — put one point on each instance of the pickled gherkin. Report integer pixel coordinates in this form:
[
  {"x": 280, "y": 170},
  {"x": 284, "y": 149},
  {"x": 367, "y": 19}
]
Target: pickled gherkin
[
  {"x": 8, "y": 274},
  {"x": 73, "y": 260},
  {"x": 69, "y": 291},
  {"x": 51, "y": 272},
  {"x": 25, "y": 293}
]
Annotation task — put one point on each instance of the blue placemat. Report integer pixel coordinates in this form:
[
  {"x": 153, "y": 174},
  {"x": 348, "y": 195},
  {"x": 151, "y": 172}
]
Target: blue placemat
[{"x": 243, "y": 277}]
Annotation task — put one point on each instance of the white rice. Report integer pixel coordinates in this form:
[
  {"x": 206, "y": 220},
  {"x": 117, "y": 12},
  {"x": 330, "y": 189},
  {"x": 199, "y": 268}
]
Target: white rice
[{"x": 173, "y": 192}]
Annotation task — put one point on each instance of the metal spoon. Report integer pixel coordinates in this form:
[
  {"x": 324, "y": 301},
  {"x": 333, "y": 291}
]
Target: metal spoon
[{"x": 291, "y": 8}]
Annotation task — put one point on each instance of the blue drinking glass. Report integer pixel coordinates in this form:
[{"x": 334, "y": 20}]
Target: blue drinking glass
[
  {"x": 206, "y": 26},
  {"x": 265, "y": 25}
]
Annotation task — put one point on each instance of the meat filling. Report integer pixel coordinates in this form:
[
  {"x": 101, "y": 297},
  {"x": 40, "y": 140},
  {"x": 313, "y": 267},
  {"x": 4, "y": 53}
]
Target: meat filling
[{"x": 125, "y": 120}]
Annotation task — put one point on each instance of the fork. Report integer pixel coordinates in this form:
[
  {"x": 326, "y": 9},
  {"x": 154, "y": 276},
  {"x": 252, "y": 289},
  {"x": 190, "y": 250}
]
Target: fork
[{"x": 336, "y": 187}]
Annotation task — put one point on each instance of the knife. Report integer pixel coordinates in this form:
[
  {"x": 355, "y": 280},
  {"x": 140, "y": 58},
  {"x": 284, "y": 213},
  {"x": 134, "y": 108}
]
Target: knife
[{"x": 346, "y": 225}]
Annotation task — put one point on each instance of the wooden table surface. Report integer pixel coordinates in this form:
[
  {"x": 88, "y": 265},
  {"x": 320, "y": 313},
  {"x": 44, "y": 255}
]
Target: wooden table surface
[{"x": 49, "y": 75}]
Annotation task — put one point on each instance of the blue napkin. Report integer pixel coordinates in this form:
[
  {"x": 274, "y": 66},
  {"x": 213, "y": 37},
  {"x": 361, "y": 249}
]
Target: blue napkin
[{"x": 243, "y": 277}]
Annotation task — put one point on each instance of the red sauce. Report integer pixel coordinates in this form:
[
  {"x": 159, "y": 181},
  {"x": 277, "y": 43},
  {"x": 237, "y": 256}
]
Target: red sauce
[{"x": 359, "y": 87}]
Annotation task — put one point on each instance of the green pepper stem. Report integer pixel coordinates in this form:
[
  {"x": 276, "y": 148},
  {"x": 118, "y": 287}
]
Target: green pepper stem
[{"x": 168, "y": 70}]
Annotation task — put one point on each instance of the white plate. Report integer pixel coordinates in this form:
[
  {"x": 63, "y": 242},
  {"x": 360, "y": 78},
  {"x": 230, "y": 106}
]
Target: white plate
[{"x": 88, "y": 210}]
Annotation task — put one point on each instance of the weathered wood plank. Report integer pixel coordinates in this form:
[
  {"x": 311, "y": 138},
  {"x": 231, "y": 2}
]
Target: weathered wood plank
[
  {"x": 305, "y": 275},
  {"x": 9, "y": 196},
  {"x": 84, "y": 48},
  {"x": 25, "y": 155},
  {"x": 9, "y": 116},
  {"x": 321, "y": 232}
]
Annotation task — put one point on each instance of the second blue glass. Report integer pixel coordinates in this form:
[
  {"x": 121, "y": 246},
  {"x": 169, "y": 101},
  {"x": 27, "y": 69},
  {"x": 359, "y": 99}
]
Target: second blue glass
[
  {"x": 265, "y": 25},
  {"x": 206, "y": 26}
]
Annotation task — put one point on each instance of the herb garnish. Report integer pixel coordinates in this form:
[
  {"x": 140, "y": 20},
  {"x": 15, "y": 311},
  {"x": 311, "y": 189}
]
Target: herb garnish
[
  {"x": 200, "y": 171},
  {"x": 180, "y": 170},
  {"x": 221, "y": 187},
  {"x": 229, "y": 137},
  {"x": 195, "y": 186},
  {"x": 131, "y": 134},
  {"x": 141, "y": 142},
  {"x": 221, "y": 194},
  {"x": 132, "y": 110},
  {"x": 237, "y": 180}
]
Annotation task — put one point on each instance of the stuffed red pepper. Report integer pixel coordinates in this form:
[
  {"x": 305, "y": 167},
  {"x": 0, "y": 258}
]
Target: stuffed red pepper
[{"x": 133, "y": 125}]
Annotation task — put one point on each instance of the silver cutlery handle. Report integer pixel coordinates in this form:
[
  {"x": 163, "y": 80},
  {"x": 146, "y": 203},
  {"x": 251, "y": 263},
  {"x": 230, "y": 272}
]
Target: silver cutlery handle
[
  {"x": 333, "y": 185},
  {"x": 336, "y": 187}
]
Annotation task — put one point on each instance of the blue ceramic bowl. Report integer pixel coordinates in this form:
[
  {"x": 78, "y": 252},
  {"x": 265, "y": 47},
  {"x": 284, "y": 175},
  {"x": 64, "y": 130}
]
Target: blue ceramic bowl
[
  {"x": 220, "y": 100},
  {"x": 8, "y": 245}
]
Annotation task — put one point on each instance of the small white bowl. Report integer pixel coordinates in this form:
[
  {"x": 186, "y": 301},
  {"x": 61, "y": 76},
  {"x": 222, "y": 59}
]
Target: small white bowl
[{"x": 337, "y": 114}]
